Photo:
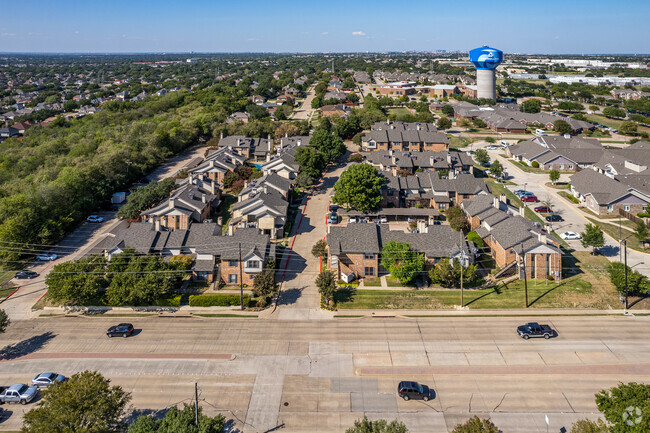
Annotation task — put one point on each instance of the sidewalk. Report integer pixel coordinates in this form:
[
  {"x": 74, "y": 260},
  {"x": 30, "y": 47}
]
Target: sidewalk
[{"x": 466, "y": 312}]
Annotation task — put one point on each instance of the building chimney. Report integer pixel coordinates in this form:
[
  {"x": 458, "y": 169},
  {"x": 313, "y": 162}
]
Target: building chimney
[
  {"x": 268, "y": 157},
  {"x": 300, "y": 142},
  {"x": 190, "y": 178},
  {"x": 230, "y": 230},
  {"x": 245, "y": 184},
  {"x": 542, "y": 238},
  {"x": 522, "y": 211},
  {"x": 220, "y": 221},
  {"x": 495, "y": 202},
  {"x": 221, "y": 135},
  {"x": 171, "y": 203},
  {"x": 213, "y": 187},
  {"x": 422, "y": 226},
  {"x": 211, "y": 163},
  {"x": 238, "y": 141},
  {"x": 266, "y": 189},
  {"x": 156, "y": 225},
  {"x": 503, "y": 198},
  {"x": 286, "y": 135},
  {"x": 268, "y": 137},
  {"x": 203, "y": 198}
]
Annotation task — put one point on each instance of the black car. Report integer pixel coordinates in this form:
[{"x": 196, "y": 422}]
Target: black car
[
  {"x": 22, "y": 275},
  {"x": 121, "y": 330},
  {"x": 334, "y": 208},
  {"x": 534, "y": 329},
  {"x": 554, "y": 218},
  {"x": 413, "y": 390}
]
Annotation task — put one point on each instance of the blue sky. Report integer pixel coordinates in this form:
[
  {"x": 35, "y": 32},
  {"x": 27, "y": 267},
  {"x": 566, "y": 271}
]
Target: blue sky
[{"x": 552, "y": 26}]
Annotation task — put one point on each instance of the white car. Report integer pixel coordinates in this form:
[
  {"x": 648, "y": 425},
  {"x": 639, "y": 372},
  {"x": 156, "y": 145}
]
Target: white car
[
  {"x": 95, "y": 219},
  {"x": 567, "y": 236},
  {"x": 492, "y": 147},
  {"x": 46, "y": 257}
]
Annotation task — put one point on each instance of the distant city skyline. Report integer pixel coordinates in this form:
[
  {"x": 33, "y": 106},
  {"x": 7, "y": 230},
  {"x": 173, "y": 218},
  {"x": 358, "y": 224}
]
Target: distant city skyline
[{"x": 555, "y": 27}]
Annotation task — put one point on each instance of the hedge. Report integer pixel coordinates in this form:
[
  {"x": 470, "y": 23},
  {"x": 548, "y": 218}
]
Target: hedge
[
  {"x": 168, "y": 301},
  {"x": 217, "y": 300}
]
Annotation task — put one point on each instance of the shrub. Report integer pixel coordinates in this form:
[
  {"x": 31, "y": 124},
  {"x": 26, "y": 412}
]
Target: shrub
[
  {"x": 535, "y": 164},
  {"x": 643, "y": 215},
  {"x": 168, "y": 301},
  {"x": 355, "y": 157},
  {"x": 474, "y": 237},
  {"x": 217, "y": 300}
]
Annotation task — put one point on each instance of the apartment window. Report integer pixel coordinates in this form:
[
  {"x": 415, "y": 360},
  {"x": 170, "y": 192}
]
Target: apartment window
[
  {"x": 369, "y": 272},
  {"x": 561, "y": 166},
  {"x": 570, "y": 166},
  {"x": 254, "y": 264},
  {"x": 626, "y": 207},
  {"x": 610, "y": 208},
  {"x": 368, "y": 255},
  {"x": 233, "y": 263},
  {"x": 465, "y": 196},
  {"x": 232, "y": 278},
  {"x": 335, "y": 260}
]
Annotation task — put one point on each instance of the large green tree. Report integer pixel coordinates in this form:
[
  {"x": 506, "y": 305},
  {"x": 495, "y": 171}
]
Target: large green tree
[
  {"x": 359, "y": 187},
  {"x": 326, "y": 283},
  {"x": 4, "y": 321},
  {"x": 476, "y": 424},
  {"x": 592, "y": 237},
  {"x": 496, "y": 168},
  {"x": 179, "y": 420},
  {"x": 86, "y": 403},
  {"x": 146, "y": 197},
  {"x": 626, "y": 407},
  {"x": 448, "y": 273},
  {"x": 636, "y": 282},
  {"x": 481, "y": 156},
  {"x": 264, "y": 284},
  {"x": 444, "y": 123},
  {"x": 531, "y": 106},
  {"x": 401, "y": 261},
  {"x": 562, "y": 127},
  {"x": 457, "y": 219},
  {"x": 380, "y": 426},
  {"x": 311, "y": 161},
  {"x": 327, "y": 143},
  {"x": 77, "y": 282},
  {"x": 554, "y": 175}
]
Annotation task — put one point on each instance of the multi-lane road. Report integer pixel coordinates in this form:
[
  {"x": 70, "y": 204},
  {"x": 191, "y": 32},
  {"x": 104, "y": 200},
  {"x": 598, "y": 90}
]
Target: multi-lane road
[{"x": 321, "y": 375}]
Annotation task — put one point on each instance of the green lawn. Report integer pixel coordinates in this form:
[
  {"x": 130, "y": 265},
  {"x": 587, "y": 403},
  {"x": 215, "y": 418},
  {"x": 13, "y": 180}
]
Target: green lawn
[
  {"x": 372, "y": 282},
  {"x": 458, "y": 143},
  {"x": 569, "y": 196},
  {"x": 6, "y": 291},
  {"x": 498, "y": 189},
  {"x": 612, "y": 123},
  {"x": 399, "y": 112},
  {"x": 223, "y": 210},
  {"x": 613, "y": 231}
]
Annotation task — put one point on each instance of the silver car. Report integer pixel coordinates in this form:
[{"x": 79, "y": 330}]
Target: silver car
[
  {"x": 44, "y": 380},
  {"x": 19, "y": 393}
]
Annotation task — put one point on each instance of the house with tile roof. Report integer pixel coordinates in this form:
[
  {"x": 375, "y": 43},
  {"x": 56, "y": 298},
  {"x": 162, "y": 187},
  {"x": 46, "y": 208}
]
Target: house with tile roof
[
  {"x": 263, "y": 207},
  {"x": 257, "y": 148}
]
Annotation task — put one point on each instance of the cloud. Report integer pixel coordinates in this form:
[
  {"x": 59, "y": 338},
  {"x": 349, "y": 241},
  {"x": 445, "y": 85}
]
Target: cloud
[
  {"x": 6, "y": 34},
  {"x": 252, "y": 39},
  {"x": 325, "y": 33},
  {"x": 358, "y": 34}
]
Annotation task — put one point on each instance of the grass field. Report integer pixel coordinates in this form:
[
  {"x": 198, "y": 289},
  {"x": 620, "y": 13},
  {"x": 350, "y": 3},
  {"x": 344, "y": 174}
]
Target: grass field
[
  {"x": 498, "y": 189},
  {"x": 612, "y": 123},
  {"x": 587, "y": 287},
  {"x": 613, "y": 231},
  {"x": 398, "y": 111}
]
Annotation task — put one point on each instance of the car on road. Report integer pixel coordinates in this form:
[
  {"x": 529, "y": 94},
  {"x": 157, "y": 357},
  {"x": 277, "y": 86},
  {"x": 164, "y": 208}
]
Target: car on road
[
  {"x": 534, "y": 329},
  {"x": 46, "y": 257},
  {"x": 413, "y": 390},
  {"x": 19, "y": 393},
  {"x": 567, "y": 236},
  {"x": 95, "y": 219},
  {"x": 529, "y": 198},
  {"x": 542, "y": 209},
  {"x": 44, "y": 380},
  {"x": 121, "y": 330},
  {"x": 554, "y": 218},
  {"x": 493, "y": 147},
  {"x": 25, "y": 275}
]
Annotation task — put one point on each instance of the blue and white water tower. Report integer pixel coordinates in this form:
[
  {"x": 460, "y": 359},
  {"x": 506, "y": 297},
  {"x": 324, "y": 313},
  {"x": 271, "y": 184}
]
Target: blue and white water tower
[{"x": 486, "y": 60}]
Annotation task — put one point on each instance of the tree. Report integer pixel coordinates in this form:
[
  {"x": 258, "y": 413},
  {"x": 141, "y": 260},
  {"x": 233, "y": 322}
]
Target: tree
[
  {"x": 554, "y": 175},
  {"x": 490, "y": 140},
  {"x": 330, "y": 145},
  {"x": 311, "y": 161},
  {"x": 326, "y": 283},
  {"x": 641, "y": 232},
  {"x": 562, "y": 127},
  {"x": 319, "y": 249},
  {"x": 359, "y": 187},
  {"x": 380, "y": 426},
  {"x": 531, "y": 106},
  {"x": 177, "y": 420},
  {"x": 303, "y": 180},
  {"x": 614, "y": 112},
  {"x": 589, "y": 426},
  {"x": 457, "y": 219},
  {"x": 447, "y": 273},
  {"x": 628, "y": 128},
  {"x": 264, "y": 284},
  {"x": 479, "y": 123},
  {"x": 86, "y": 403},
  {"x": 146, "y": 197},
  {"x": 626, "y": 407},
  {"x": 592, "y": 237},
  {"x": 355, "y": 157},
  {"x": 476, "y": 424},
  {"x": 401, "y": 261},
  {"x": 636, "y": 282},
  {"x": 4, "y": 321},
  {"x": 496, "y": 168},
  {"x": 447, "y": 110},
  {"x": 444, "y": 123},
  {"x": 481, "y": 156},
  {"x": 77, "y": 282}
]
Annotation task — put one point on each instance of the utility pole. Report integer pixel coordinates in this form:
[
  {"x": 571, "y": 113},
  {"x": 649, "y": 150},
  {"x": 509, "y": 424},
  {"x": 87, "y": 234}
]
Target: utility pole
[
  {"x": 196, "y": 404},
  {"x": 523, "y": 259},
  {"x": 625, "y": 253},
  {"x": 620, "y": 236},
  {"x": 241, "y": 279},
  {"x": 462, "y": 302}
]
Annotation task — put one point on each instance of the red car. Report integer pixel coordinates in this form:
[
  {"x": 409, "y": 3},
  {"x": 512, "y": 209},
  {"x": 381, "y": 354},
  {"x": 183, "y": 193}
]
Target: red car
[
  {"x": 529, "y": 198},
  {"x": 543, "y": 209}
]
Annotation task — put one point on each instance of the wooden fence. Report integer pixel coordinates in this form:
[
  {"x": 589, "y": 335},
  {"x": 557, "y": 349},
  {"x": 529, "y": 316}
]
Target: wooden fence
[{"x": 633, "y": 218}]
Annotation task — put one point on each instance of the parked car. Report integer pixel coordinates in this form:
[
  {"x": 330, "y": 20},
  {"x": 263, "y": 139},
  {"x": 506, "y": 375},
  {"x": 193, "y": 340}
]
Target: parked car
[
  {"x": 486, "y": 164},
  {"x": 492, "y": 147},
  {"x": 437, "y": 223},
  {"x": 518, "y": 192},
  {"x": 19, "y": 393},
  {"x": 334, "y": 207},
  {"x": 413, "y": 390},
  {"x": 542, "y": 209},
  {"x": 46, "y": 257},
  {"x": 554, "y": 218},
  {"x": 534, "y": 329},
  {"x": 529, "y": 198},
  {"x": 383, "y": 219},
  {"x": 353, "y": 219},
  {"x": 95, "y": 219},
  {"x": 333, "y": 218},
  {"x": 121, "y": 330},
  {"x": 44, "y": 380},
  {"x": 25, "y": 275},
  {"x": 570, "y": 236}
]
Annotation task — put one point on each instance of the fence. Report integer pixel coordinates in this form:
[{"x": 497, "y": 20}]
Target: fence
[{"x": 633, "y": 218}]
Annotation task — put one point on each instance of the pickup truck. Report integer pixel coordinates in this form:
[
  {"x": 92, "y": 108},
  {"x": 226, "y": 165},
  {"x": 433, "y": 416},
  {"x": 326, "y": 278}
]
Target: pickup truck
[
  {"x": 534, "y": 329},
  {"x": 19, "y": 393}
]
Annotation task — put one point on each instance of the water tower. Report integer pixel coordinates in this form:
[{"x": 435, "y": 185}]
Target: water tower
[{"x": 486, "y": 60}]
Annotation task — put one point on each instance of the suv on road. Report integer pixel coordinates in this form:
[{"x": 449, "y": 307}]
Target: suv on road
[
  {"x": 121, "y": 330},
  {"x": 19, "y": 393},
  {"x": 534, "y": 329},
  {"x": 413, "y": 390},
  {"x": 21, "y": 275}
]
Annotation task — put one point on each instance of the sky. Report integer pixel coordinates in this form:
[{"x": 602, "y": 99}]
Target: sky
[{"x": 514, "y": 26}]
